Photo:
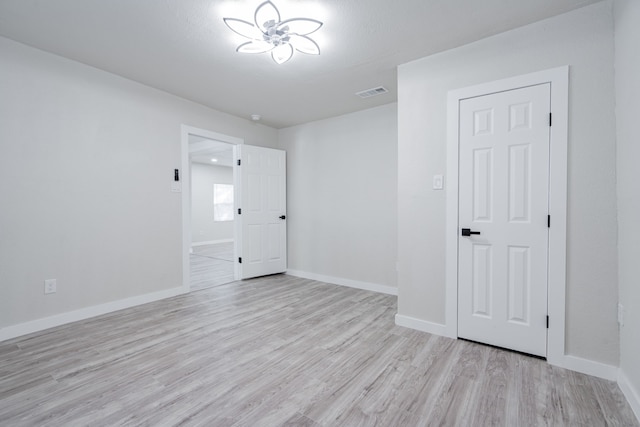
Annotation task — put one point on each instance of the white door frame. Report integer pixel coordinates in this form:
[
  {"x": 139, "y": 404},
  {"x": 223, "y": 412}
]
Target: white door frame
[
  {"x": 185, "y": 131},
  {"x": 559, "y": 79}
]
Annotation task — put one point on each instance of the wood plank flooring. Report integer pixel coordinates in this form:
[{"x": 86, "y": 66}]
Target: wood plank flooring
[
  {"x": 211, "y": 265},
  {"x": 283, "y": 351}
]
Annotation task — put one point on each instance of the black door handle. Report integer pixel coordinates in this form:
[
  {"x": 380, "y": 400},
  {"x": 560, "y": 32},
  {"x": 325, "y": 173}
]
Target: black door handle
[
  {"x": 283, "y": 217},
  {"x": 468, "y": 232}
]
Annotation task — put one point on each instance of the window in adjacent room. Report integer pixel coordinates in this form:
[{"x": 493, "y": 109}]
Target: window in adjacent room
[{"x": 222, "y": 202}]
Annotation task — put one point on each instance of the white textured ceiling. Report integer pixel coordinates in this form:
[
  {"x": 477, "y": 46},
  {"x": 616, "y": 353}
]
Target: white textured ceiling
[
  {"x": 184, "y": 48},
  {"x": 204, "y": 150}
]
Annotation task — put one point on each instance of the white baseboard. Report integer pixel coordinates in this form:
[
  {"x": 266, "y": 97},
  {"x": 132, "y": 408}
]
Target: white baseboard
[
  {"x": 585, "y": 366},
  {"x": 383, "y": 289},
  {"x": 630, "y": 392},
  {"x": 38, "y": 325},
  {"x": 422, "y": 325},
  {"x": 211, "y": 242}
]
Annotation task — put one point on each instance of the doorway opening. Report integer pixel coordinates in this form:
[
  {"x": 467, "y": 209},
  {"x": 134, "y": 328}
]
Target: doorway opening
[
  {"x": 212, "y": 212},
  {"x": 209, "y": 235}
]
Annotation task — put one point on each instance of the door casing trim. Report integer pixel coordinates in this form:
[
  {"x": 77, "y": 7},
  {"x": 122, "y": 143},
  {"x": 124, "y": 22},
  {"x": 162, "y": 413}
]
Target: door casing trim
[{"x": 559, "y": 80}]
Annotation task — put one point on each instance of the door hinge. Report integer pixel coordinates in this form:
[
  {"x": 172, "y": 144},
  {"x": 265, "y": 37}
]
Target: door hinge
[
  {"x": 548, "y": 221},
  {"x": 239, "y": 162},
  {"x": 550, "y": 119},
  {"x": 240, "y": 260},
  {"x": 547, "y": 322},
  {"x": 239, "y": 211}
]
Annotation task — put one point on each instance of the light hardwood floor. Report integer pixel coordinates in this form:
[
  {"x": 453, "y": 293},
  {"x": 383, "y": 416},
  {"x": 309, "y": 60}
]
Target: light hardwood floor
[
  {"x": 211, "y": 265},
  {"x": 279, "y": 351}
]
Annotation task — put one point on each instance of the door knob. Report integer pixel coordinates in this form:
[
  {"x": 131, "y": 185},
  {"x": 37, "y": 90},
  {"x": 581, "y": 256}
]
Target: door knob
[
  {"x": 283, "y": 217},
  {"x": 468, "y": 232}
]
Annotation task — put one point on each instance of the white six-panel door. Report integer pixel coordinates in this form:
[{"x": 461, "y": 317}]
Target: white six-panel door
[
  {"x": 503, "y": 196},
  {"x": 262, "y": 221}
]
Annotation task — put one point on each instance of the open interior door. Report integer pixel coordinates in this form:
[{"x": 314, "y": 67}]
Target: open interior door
[{"x": 260, "y": 211}]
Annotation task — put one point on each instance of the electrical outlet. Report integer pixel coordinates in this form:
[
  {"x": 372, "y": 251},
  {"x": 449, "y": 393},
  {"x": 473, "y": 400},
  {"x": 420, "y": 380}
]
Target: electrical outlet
[
  {"x": 621, "y": 314},
  {"x": 50, "y": 286}
]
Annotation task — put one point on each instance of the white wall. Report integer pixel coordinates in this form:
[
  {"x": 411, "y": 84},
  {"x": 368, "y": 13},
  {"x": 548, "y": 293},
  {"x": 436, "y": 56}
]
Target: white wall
[
  {"x": 203, "y": 227},
  {"x": 86, "y": 163},
  {"x": 341, "y": 196},
  {"x": 627, "y": 71},
  {"x": 582, "y": 39}
]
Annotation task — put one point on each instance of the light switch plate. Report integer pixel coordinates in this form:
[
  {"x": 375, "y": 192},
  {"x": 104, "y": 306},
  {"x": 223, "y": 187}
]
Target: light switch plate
[
  {"x": 438, "y": 182},
  {"x": 176, "y": 187},
  {"x": 50, "y": 286}
]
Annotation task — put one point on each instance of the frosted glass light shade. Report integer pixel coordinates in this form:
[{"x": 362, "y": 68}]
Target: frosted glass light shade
[
  {"x": 271, "y": 34},
  {"x": 255, "y": 46},
  {"x": 305, "y": 45},
  {"x": 300, "y": 26},
  {"x": 244, "y": 28},
  {"x": 265, "y": 13},
  {"x": 282, "y": 53}
]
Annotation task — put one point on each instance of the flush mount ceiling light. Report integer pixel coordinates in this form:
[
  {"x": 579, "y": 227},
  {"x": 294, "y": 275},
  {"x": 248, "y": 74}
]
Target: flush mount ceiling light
[{"x": 271, "y": 34}]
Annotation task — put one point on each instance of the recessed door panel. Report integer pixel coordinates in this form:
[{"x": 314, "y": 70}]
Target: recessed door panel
[
  {"x": 483, "y": 122},
  {"x": 274, "y": 191},
  {"x": 275, "y": 251},
  {"x": 254, "y": 193},
  {"x": 519, "y": 285},
  {"x": 482, "y": 280},
  {"x": 482, "y": 184},
  {"x": 519, "y": 183},
  {"x": 520, "y": 116},
  {"x": 253, "y": 250}
]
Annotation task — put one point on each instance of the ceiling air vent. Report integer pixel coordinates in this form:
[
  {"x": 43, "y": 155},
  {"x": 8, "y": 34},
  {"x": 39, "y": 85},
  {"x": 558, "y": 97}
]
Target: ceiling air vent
[{"x": 372, "y": 92}]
